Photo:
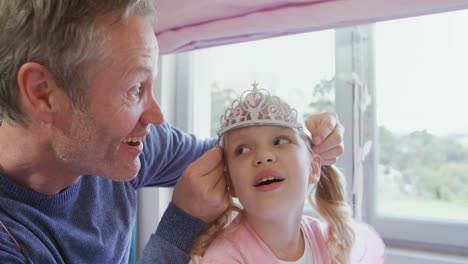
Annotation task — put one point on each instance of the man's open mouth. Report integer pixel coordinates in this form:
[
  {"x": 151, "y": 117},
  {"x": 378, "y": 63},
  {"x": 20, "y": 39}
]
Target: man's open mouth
[{"x": 133, "y": 141}]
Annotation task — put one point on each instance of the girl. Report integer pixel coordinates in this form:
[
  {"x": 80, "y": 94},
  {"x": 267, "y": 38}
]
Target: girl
[{"x": 270, "y": 168}]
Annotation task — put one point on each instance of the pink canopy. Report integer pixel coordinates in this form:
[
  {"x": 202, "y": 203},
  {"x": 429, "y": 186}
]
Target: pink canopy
[{"x": 184, "y": 25}]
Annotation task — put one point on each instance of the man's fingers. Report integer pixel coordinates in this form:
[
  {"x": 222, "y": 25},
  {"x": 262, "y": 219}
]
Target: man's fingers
[
  {"x": 220, "y": 186},
  {"x": 206, "y": 163},
  {"x": 201, "y": 191},
  {"x": 216, "y": 176},
  {"x": 221, "y": 183},
  {"x": 321, "y": 126},
  {"x": 213, "y": 178},
  {"x": 332, "y": 153},
  {"x": 334, "y": 139},
  {"x": 327, "y": 162},
  {"x": 330, "y": 142},
  {"x": 327, "y": 136}
]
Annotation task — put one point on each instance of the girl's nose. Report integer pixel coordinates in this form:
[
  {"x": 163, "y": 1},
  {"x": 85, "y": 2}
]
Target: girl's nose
[{"x": 264, "y": 157}]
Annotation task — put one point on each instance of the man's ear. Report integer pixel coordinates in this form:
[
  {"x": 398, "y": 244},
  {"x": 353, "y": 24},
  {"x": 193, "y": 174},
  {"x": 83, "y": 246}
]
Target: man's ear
[
  {"x": 38, "y": 91},
  {"x": 315, "y": 171}
]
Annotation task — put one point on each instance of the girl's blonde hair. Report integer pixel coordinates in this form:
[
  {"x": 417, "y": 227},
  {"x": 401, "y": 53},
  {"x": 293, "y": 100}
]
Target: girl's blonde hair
[
  {"x": 328, "y": 198},
  {"x": 214, "y": 229}
]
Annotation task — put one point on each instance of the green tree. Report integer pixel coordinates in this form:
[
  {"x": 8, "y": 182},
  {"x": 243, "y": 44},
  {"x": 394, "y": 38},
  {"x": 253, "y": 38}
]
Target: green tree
[
  {"x": 323, "y": 96},
  {"x": 387, "y": 147},
  {"x": 436, "y": 166}
]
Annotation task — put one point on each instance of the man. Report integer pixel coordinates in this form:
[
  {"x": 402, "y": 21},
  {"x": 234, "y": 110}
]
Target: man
[{"x": 82, "y": 132}]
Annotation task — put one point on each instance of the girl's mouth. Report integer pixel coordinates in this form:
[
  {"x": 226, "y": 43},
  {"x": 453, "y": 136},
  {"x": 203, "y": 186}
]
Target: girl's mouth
[{"x": 267, "y": 181}]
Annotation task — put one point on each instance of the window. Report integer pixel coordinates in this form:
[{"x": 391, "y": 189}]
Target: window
[
  {"x": 290, "y": 67},
  {"x": 421, "y": 90},
  {"x": 399, "y": 88},
  {"x": 421, "y": 154}
]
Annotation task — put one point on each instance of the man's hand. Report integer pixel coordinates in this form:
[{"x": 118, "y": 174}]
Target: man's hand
[
  {"x": 327, "y": 136},
  {"x": 201, "y": 191}
]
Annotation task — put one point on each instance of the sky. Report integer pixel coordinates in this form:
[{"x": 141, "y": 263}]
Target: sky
[
  {"x": 421, "y": 70},
  {"x": 422, "y": 73}
]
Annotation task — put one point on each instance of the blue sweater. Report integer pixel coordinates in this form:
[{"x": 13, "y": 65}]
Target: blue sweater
[{"x": 91, "y": 221}]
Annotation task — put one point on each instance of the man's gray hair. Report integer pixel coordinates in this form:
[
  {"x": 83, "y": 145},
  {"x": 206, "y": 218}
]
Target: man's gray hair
[{"x": 59, "y": 34}]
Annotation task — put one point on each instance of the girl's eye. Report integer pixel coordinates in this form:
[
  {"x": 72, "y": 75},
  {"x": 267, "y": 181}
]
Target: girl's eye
[
  {"x": 136, "y": 90},
  {"x": 242, "y": 150},
  {"x": 282, "y": 140}
]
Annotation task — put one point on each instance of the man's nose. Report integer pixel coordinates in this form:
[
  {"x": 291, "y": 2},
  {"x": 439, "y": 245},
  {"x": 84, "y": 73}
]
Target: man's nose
[{"x": 152, "y": 113}]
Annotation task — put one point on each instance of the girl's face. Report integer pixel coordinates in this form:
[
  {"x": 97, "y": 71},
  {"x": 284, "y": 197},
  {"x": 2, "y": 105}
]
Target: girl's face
[{"x": 270, "y": 168}]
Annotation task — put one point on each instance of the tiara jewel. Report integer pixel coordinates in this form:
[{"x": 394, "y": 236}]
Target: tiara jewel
[{"x": 258, "y": 107}]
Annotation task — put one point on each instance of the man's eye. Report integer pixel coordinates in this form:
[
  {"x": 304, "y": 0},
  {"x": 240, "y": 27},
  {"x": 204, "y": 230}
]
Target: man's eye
[
  {"x": 241, "y": 150},
  {"x": 282, "y": 140},
  {"x": 135, "y": 91}
]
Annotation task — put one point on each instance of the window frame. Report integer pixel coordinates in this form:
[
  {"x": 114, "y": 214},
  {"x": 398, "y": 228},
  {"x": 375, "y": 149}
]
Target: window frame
[{"x": 447, "y": 237}]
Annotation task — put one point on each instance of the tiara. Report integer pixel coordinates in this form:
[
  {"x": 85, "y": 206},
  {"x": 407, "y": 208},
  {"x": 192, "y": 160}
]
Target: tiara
[{"x": 258, "y": 107}]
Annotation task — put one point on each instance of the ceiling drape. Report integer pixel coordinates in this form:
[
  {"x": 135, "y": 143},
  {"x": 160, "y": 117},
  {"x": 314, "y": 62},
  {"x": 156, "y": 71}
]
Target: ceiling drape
[{"x": 184, "y": 25}]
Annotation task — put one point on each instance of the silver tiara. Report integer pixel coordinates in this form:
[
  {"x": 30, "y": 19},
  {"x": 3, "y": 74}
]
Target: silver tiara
[{"x": 258, "y": 107}]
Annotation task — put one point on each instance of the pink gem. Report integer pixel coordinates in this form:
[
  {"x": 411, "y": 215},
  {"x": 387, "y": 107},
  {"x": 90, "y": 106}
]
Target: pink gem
[{"x": 254, "y": 99}]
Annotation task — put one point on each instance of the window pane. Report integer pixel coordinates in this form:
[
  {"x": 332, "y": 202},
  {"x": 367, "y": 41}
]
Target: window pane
[
  {"x": 298, "y": 68},
  {"x": 422, "y": 91}
]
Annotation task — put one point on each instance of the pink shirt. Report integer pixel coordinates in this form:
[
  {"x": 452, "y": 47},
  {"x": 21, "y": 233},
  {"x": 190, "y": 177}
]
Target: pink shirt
[{"x": 240, "y": 244}]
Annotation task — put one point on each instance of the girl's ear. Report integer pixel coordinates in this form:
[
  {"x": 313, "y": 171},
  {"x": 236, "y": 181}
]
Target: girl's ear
[{"x": 314, "y": 176}]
